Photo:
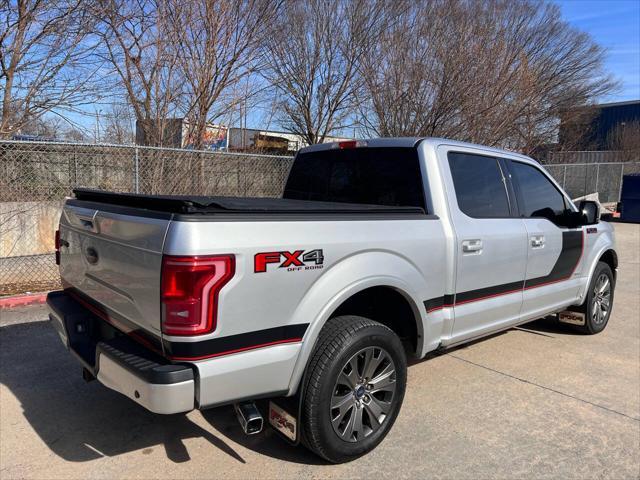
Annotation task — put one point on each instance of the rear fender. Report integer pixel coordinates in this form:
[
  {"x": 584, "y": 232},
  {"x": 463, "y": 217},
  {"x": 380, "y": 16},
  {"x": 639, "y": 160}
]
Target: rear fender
[{"x": 344, "y": 280}]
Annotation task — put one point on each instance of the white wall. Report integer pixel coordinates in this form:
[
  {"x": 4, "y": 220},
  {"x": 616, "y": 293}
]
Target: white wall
[{"x": 28, "y": 228}]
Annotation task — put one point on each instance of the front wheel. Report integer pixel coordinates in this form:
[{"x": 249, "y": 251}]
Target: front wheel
[
  {"x": 599, "y": 301},
  {"x": 354, "y": 388}
]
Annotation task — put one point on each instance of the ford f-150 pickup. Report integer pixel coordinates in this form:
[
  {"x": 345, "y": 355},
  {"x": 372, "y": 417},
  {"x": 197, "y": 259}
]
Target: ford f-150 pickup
[{"x": 306, "y": 307}]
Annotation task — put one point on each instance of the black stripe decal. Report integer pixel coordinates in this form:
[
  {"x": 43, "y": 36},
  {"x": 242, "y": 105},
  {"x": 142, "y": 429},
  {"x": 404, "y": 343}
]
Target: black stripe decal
[
  {"x": 486, "y": 292},
  {"x": 567, "y": 261},
  {"x": 572, "y": 246},
  {"x": 234, "y": 343},
  {"x": 438, "y": 303}
]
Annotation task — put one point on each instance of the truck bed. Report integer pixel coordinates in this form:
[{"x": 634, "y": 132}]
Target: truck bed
[{"x": 187, "y": 204}]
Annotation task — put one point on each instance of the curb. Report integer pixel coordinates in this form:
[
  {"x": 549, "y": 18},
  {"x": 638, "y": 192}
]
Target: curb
[{"x": 22, "y": 300}]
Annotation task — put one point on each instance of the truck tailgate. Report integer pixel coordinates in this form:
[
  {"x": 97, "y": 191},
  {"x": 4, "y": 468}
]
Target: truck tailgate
[{"x": 114, "y": 259}]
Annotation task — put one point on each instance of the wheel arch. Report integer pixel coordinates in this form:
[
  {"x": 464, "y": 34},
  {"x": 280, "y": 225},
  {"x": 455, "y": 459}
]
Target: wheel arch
[
  {"x": 610, "y": 257},
  {"x": 606, "y": 254},
  {"x": 346, "y": 290},
  {"x": 389, "y": 306}
]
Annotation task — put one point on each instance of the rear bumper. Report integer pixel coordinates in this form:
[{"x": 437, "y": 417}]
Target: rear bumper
[
  {"x": 158, "y": 398},
  {"x": 120, "y": 363}
]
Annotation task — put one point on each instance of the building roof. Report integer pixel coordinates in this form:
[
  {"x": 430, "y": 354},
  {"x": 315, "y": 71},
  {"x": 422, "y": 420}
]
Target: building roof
[
  {"x": 279, "y": 132},
  {"x": 617, "y": 104}
]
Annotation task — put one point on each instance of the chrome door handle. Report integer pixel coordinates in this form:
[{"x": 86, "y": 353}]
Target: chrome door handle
[
  {"x": 537, "y": 241},
  {"x": 472, "y": 246}
]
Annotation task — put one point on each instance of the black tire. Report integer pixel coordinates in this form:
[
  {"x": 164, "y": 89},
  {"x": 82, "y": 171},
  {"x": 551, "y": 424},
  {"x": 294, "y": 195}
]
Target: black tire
[
  {"x": 594, "y": 323},
  {"x": 344, "y": 340}
]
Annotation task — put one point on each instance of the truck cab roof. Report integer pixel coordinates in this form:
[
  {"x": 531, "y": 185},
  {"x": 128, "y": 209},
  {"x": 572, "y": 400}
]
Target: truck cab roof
[{"x": 408, "y": 142}]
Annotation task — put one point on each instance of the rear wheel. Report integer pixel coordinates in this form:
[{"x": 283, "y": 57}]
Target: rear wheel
[
  {"x": 354, "y": 388},
  {"x": 597, "y": 305}
]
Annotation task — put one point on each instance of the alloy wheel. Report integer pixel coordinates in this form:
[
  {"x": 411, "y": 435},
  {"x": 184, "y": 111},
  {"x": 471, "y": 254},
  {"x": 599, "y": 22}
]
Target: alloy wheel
[
  {"x": 363, "y": 394},
  {"x": 601, "y": 303}
]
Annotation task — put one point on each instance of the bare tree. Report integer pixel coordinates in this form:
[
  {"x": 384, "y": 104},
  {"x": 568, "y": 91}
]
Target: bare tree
[
  {"x": 217, "y": 43},
  {"x": 75, "y": 134},
  {"x": 136, "y": 45},
  {"x": 313, "y": 61},
  {"x": 576, "y": 130},
  {"x": 404, "y": 83},
  {"x": 50, "y": 128},
  {"x": 118, "y": 125},
  {"x": 45, "y": 59},
  {"x": 497, "y": 72}
]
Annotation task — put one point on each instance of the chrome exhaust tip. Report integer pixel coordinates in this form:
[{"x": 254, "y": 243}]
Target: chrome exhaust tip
[{"x": 249, "y": 417}]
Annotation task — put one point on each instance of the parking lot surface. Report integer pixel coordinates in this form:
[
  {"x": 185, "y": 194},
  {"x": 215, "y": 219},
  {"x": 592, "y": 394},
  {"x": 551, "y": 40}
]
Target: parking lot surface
[{"x": 538, "y": 401}]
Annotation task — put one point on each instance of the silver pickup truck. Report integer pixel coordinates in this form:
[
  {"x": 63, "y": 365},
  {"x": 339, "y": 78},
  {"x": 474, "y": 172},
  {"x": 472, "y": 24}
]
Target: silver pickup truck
[{"x": 305, "y": 308}]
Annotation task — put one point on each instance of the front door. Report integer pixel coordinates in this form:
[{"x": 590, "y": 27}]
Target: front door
[
  {"x": 553, "y": 250},
  {"x": 491, "y": 245}
]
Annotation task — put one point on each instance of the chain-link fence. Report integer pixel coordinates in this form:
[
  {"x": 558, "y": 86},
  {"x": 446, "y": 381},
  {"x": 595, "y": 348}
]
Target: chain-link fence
[
  {"x": 581, "y": 173},
  {"x": 48, "y": 171},
  {"x": 579, "y": 179},
  {"x": 35, "y": 177}
]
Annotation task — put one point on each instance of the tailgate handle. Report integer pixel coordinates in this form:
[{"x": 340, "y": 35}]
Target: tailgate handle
[{"x": 87, "y": 222}]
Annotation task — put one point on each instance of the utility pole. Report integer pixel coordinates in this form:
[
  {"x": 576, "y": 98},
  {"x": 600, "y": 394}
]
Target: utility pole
[
  {"x": 245, "y": 117},
  {"x": 97, "y": 129}
]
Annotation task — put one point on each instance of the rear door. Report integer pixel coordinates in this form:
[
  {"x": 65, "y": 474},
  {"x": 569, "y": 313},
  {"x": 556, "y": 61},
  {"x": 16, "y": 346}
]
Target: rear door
[
  {"x": 553, "y": 250},
  {"x": 113, "y": 261},
  {"x": 491, "y": 243}
]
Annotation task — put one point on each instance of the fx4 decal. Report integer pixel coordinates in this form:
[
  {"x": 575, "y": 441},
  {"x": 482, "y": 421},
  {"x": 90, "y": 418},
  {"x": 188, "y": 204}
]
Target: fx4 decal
[
  {"x": 292, "y": 261},
  {"x": 282, "y": 421}
]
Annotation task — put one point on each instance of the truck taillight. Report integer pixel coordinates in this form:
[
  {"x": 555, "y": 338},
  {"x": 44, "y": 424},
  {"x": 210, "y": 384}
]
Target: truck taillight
[
  {"x": 57, "y": 244},
  {"x": 189, "y": 292}
]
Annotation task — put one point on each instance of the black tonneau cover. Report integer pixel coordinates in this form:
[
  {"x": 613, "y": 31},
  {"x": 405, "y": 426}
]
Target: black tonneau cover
[{"x": 204, "y": 204}]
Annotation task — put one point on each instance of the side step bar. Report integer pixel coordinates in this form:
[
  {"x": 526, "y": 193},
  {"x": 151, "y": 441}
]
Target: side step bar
[{"x": 249, "y": 417}]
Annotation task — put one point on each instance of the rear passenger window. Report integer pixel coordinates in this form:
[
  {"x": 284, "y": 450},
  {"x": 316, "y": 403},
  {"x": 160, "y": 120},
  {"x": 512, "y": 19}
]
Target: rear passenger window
[
  {"x": 538, "y": 196},
  {"x": 479, "y": 186}
]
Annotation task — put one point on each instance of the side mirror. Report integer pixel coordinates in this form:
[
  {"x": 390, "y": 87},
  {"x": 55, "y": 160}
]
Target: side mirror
[{"x": 590, "y": 212}]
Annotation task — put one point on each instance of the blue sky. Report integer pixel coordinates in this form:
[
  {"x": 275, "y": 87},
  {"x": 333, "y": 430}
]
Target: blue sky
[{"x": 614, "y": 24}]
